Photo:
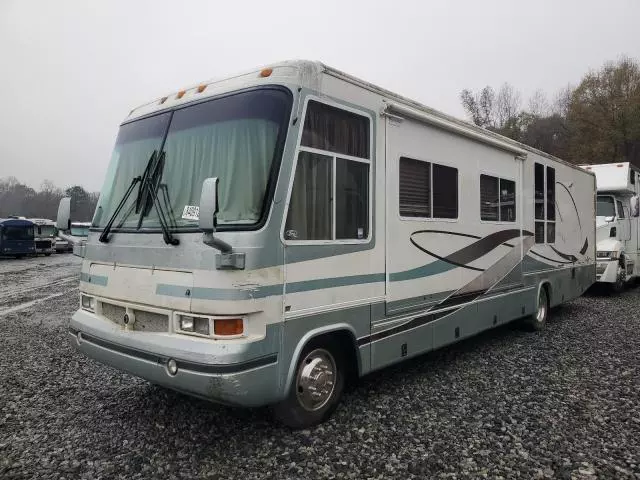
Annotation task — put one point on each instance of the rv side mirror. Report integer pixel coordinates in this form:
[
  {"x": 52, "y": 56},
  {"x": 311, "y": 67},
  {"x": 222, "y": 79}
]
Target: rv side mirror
[
  {"x": 207, "y": 212},
  {"x": 208, "y": 205},
  {"x": 635, "y": 206},
  {"x": 63, "y": 222}
]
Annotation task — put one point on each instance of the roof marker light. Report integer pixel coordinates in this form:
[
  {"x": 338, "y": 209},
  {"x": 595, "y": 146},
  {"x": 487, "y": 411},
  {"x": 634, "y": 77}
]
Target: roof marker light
[
  {"x": 201, "y": 88},
  {"x": 180, "y": 94},
  {"x": 265, "y": 72},
  {"x": 163, "y": 99}
]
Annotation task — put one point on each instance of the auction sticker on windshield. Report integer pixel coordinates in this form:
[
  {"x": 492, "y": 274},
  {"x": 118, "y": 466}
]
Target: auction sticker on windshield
[{"x": 191, "y": 212}]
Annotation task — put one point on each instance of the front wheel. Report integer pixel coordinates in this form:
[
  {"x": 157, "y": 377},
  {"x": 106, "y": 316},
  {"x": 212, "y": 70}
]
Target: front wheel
[
  {"x": 538, "y": 320},
  {"x": 619, "y": 284},
  {"x": 316, "y": 388}
]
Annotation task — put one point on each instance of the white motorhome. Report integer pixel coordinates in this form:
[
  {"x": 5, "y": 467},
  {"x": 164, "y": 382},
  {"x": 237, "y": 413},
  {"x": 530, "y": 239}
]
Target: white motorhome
[
  {"x": 617, "y": 223},
  {"x": 267, "y": 238},
  {"x": 44, "y": 236}
]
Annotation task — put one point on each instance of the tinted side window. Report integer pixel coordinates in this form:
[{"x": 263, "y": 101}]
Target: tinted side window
[
  {"x": 445, "y": 191},
  {"x": 335, "y": 130},
  {"x": 310, "y": 210},
  {"x": 620, "y": 209},
  {"x": 551, "y": 193},
  {"x": 489, "y": 200},
  {"x": 352, "y": 199},
  {"x": 507, "y": 200},
  {"x": 415, "y": 188},
  {"x": 539, "y": 191}
]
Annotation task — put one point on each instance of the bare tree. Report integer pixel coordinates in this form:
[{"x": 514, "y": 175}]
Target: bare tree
[
  {"x": 480, "y": 107},
  {"x": 539, "y": 105},
  {"x": 561, "y": 101},
  {"x": 507, "y": 105}
]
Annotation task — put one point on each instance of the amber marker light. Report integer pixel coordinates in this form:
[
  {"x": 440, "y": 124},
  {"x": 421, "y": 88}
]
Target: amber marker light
[
  {"x": 228, "y": 326},
  {"x": 265, "y": 72}
]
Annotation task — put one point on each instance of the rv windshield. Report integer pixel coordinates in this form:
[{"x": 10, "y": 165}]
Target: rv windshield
[
  {"x": 605, "y": 206},
  {"x": 236, "y": 138},
  {"x": 46, "y": 231},
  {"x": 17, "y": 233}
]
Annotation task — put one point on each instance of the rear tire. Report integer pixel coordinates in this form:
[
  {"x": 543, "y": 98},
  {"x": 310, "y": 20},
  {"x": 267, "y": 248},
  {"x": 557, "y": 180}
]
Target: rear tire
[
  {"x": 316, "y": 387},
  {"x": 538, "y": 320}
]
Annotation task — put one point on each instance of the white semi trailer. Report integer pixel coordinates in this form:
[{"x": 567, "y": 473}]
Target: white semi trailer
[{"x": 617, "y": 227}]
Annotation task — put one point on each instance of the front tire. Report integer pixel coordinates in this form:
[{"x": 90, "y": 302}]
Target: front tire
[
  {"x": 538, "y": 320},
  {"x": 619, "y": 284},
  {"x": 316, "y": 387}
]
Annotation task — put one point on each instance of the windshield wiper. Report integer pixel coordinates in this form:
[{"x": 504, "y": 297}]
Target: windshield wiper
[
  {"x": 150, "y": 185},
  {"x": 104, "y": 236}
]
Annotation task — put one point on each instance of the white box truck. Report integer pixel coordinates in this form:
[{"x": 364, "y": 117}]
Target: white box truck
[{"x": 617, "y": 211}]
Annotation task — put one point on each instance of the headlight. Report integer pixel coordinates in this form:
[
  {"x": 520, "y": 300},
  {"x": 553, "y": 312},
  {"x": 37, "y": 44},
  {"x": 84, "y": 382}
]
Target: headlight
[
  {"x": 194, "y": 325},
  {"x": 186, "y": 324},
  {"x": 88, "y": 303}
]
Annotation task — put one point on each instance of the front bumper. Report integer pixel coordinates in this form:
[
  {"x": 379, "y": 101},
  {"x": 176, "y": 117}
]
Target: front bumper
[
  {"x": 223, "y": 372},
  {"x": 606, "y": 271}
]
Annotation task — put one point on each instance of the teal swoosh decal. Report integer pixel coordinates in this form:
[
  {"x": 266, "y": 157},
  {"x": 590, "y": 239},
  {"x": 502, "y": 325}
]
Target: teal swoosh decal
[
  {"x": 433, "y": 268},
  {"x": 321, "y": 283},
  {"x": 530, "y": 265},
  {"x": 248, "y": 293}
]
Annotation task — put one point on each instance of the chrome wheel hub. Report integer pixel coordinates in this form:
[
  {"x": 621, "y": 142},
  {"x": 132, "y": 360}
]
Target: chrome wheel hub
[
  {"x": 542, "y": 307},
  {"x": 315, "y": 381}
]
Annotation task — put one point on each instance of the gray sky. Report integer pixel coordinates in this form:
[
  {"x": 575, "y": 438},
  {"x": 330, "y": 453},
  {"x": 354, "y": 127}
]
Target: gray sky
[{"x": 71, "y": 70}]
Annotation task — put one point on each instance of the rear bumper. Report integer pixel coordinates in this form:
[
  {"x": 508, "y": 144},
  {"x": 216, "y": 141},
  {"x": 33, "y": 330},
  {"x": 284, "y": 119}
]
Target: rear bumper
[{"x": 206, "y": 369}]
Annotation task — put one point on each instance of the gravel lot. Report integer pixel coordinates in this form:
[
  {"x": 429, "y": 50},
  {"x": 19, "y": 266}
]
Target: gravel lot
[{"x": 563, "y": 403}]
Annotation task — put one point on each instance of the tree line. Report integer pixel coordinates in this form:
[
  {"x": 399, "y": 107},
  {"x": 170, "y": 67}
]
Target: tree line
[
  {"x": 597, "y": 121},
  {"x": 21, "y": 200}
]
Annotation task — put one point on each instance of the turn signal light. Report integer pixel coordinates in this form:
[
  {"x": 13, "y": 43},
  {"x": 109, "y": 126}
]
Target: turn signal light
[{"x": 228, "y": 326}]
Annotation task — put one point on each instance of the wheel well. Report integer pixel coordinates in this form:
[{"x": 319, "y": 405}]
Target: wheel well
[
  {"x": 547, "y": 288},
  {"x": 344, "y": 342}
]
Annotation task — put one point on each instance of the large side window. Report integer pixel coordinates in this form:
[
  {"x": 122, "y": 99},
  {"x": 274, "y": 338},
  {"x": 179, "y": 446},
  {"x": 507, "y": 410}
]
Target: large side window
[
  {"x": 545, "y": 203},
  {"x": 330, "y": 195},
  {"x": 497, "y": 199},
  {"x": 427, "y": 190}
]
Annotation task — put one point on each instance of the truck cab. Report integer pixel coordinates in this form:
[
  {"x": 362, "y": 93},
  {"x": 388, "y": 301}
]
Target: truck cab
[
  {"x": 44, "y": 235},
  {"x": 617, "y": 226}
]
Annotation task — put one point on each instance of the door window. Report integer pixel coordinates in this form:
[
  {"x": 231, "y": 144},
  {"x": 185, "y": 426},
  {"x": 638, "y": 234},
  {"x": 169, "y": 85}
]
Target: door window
[{"x": 330, "y": 195}]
